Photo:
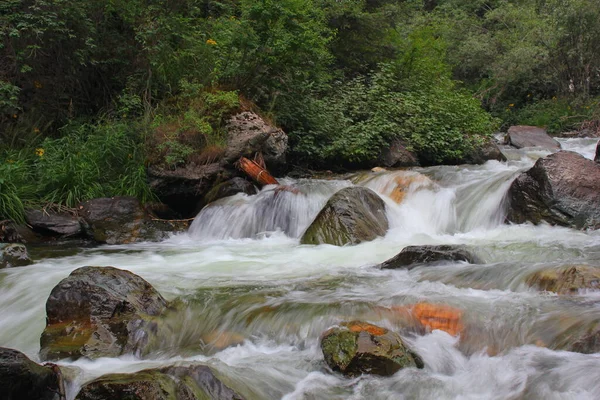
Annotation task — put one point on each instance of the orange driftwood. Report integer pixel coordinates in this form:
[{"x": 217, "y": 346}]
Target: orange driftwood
[{"x": 256, "y": 172}]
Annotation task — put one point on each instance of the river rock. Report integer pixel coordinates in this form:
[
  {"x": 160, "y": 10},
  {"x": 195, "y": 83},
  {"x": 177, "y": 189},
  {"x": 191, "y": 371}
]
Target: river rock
[
  {"x": 589, "y": 343},
  {"x": 230, "y": 188},
  {"x": 597, "y": 157},
  {"x": 397, "y": 155},
  {"x": 183, "y": 188},
  {"x": 118, "y": 220},
  {"x": 56, "y": 224},
  {"x": 566, "y": 280},
  {"x": 412, "y": 256},
  {"x": 100, "y": 312},
  {"x": 561, "y": 189},
  {"x": 530, "y": 136},
  {"x": 14, "y": 255},
  {"x": 249, "y": 134},
  {"x": 482, "y": 153},
  {"x": 351, "y": 216},
  {"x": 23, "y": 379},
  {"x": 357, "y": 347},
  {"x": 171, "y": 383}
]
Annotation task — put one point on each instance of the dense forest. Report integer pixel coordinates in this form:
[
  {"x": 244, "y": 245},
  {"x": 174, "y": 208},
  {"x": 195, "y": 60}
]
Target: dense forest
[{"x": 94, "y": 91}]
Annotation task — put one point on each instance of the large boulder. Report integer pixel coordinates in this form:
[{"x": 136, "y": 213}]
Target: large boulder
[
  {"x": 100, "y": 312},
  {"x": 561, "y": 189},
  {"x": 412, "y": 256},
  {"x": 530, "y": 136},
  {"x": 172, "y": 383},
  {"x": 397, "y": 155},
  {"x": 23, "y": 379},
  {"x": 488, "y": 150},
  {"x": 356, "y": 348},
  {"x": 351, "y": 216},
  {"x": 14, "y": 255},
  {"x": 183, "y": 188},
  {"x": 118, "y": 220},
  {"x": 566, "y": 280},
  {"x": 53, "y": 223},
  {"x": 249, "y": 134}
]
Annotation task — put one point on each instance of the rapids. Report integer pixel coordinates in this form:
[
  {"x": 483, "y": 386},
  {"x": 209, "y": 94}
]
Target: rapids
[{"x": 240, "y": 269}]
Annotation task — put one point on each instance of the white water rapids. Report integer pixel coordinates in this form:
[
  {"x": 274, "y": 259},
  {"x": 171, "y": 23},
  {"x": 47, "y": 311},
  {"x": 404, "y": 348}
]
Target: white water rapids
[{"x": 241, "y": 270}]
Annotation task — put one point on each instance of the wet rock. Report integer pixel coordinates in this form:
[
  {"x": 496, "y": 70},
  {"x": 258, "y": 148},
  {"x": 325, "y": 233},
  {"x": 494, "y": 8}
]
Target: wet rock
[
  {"x": 171, "y": 383},
  {"x": 396, "y": 155},
  {"x": 14, "y": 255},
  {"x": 118, "y": 220},
  {"x": 351, "y": 216},
  {"x": 566, "y": 280},
  {"x": 100, "y": 312},
  {"x": 589, "y": 343},
  {"x": 486, "y": 151},
  {"x": 249, "y": 134},
  {"x": 183, "y": 188},
  {"x": 230, "y": 188},
  {"x": 561, "y": 189},
  {"x": 11, "y": 232},
  {"x": 356, "y": 348},
  {"x": 439, "y": 316},
  {"x": 530, "y": 136},
  {"x": 597, "y": 156},
  {"x": 412, "y": 256},
  {"x": 52, "y": 223},
  {"x": 23, "y": 379}
]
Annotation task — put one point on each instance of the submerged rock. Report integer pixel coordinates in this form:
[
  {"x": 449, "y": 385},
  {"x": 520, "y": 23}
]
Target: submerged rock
[
  {"x": 119, "y": 220},
  {"x": 412, "y": 256},
  {"x": 356, "y": 348},
  {"x": 23, "y": 379},
  {"x": 100, "y": 312},
  {"x": 530, "y": 136},
  {"x": 171, "y": 383},
  {"x": 561, "y": 189},
  {"x": 351, "y": 216},
  {"x": 56, "y": 224},
  {"x": 566, "y": 280},
  {"x": 14, "y": 255}
]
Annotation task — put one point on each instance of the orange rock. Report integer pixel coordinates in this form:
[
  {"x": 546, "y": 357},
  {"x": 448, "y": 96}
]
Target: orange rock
[
  {"x": 438, "y": 316},
  {"x": 357, "y": 326}
]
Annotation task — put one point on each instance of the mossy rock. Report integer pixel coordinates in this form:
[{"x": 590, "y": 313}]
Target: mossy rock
[
  {"x": 356, "y": 348},
  {"x": 351, "y": 216},
  {"x": 566, "y": 280}
]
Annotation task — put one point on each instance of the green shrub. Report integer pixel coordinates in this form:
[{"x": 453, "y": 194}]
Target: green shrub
[{"x": 17, "y": 185}]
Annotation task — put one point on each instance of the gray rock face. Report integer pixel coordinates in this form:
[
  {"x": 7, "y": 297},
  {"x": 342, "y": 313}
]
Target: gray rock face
[
  {"x": 100, "y": 312},
  {"x": 250, "y": 134},
  {"x": 351, "y": 216},
  {"x": 23, "y": 379},
  {"x": 396, "y": 155},
  {"x": 14, "y": 255},
  {"x": 356, "y": 348},
  {"x": 530, "y": 136},
  {"x": 561, "y": 189},
  {"x": 56, "y": 224},
  {"x": 172, "y": 383},
  {"x": 412, "y": 256}
]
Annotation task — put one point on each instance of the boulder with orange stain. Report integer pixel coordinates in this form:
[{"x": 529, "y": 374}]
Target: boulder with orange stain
[
  {"x": 439, "y": 316},
  {"x": 356, "y": 348},
  {"x": 406, "y": 182}
]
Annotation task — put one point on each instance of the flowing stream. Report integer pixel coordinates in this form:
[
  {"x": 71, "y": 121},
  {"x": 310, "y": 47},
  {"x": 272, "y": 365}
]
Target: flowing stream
[{"x": 245, "y": 279}]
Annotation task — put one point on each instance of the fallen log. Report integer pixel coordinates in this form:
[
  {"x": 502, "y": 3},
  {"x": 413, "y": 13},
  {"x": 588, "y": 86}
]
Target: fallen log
[{"x": 256, "y": 172}]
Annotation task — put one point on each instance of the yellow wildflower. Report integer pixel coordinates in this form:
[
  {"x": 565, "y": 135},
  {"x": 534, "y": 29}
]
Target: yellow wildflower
[
  {"x": 511, "y": 105},
  {"x": 39, "y": 152},
  {"x": 211, "y": 42},
  {"x": 37, "y": 84},
  {"x": 14, "y": 115},
  {"x": 36, "y": 130}
]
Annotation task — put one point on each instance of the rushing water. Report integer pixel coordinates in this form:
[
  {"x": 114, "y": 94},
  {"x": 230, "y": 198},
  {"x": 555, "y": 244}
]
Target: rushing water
[{"x": 241, "y": 270}]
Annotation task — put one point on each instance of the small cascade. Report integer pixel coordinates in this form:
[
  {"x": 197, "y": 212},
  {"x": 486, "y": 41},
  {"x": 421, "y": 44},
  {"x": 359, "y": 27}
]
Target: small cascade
[{"x": 289, "y": 208}]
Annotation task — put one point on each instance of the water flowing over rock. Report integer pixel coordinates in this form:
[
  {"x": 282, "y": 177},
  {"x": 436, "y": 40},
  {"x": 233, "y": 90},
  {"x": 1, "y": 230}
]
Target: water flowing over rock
[
  {"x": 561, "y": 189},
  {"x": 356, "y": 348},
  {"x": 249, "y": 134},
  {"x": 56, "y": 224},
  {"x": 566, "y": 280},
  {"x": 521, "y": 136},
  {"x": 14, "y": 255},
  {"x": 351, "y": 216},
  {"x": 118, "y": 220},
  {"x": 23, "y": 379},
  {"x": 100, "y": 312},
  {"x": 412, "y": 256},
  {"x": 196, "y": 382}
]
